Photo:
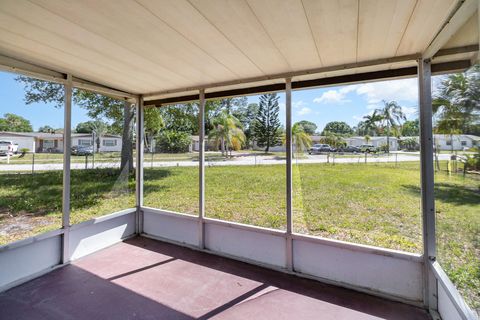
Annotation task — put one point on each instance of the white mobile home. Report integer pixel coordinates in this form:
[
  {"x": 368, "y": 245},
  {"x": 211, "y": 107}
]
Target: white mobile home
[
  {"x": 455, "y": 141},
  {"x": 39, "y": 142}
]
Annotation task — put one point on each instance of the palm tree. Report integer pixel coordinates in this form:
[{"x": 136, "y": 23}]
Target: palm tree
[
  {"x": 333, "y": 139},
  {"x": 455, "y": 106},
  {"x": 392, "y": 115},
  {"x": 226, "y": 132},
  {"x": 99, "y": 129},
  {"x": 367, "y": 139},
  {"x": 300, "y": 139},
  {"x": 370, "y": 125}
]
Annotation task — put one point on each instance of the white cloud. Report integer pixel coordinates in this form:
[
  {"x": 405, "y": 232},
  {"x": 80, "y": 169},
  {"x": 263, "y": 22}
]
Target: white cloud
[
  {"x": 336, "y": 96},
  {"x": 405, "y": 90},
  {"x": 298, "y": 104},
  {"x": 399, "y": 90},
  {"x": 410, "y": 111},
  {"x": 332, "y": 96},
  {"x": 349, "y": 88},
  {"x": 304, "y": 111}
]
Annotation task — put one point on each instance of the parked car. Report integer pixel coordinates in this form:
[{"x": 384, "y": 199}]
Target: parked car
[
  {"x": 318, "y": 148},
  {"x": 368, "y": 148},
  {"x": 82, "y": 150},
  {"x": 352, "y": 149},
  {"x": 8, "y": 148},
  {"x": 51, "y": 150}
]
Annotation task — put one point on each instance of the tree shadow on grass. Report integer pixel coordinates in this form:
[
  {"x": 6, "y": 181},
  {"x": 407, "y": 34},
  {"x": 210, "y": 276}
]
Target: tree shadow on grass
[
  {"x": 450, "y": 193},
  {"x": 153, "y": 176},
  {"x": 157, "y": 174},
  {"x": 41, "y": 194}
]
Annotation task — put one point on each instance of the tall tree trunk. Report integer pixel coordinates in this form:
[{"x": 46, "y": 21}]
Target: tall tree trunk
[
  {"x": 222, "y": 145},
  {"x": 146, "y": 141},
  {"x": 388, "y": 139},
  {"x": 127, "y": 137},
  {"x": 98, "y": 144},
  {"x": 268, "y": 142}
]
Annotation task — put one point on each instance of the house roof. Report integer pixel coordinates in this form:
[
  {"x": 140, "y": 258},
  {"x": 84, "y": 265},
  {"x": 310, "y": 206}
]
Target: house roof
[
  {"x": 47, "y": 135},
  {"x": 166, "y": 49},
  {"x": 374, "y": 138},
  {"x": 13, "y": 134},
  {"x": 459, "y": 136}
]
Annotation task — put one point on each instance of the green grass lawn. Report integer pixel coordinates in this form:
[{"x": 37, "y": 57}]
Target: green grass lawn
[
  {"x": 374, "y": 204},
  {"x": 39, "y": 198}
]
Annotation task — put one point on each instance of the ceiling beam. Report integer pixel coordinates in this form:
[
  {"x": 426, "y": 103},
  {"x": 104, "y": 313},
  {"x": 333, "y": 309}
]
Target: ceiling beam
[
  {"x": 464, "y": 11},
  {"x": 106, "y": 91},
  {"x": 457, "y": 50},
  {"x": 350, "y": 66},
  {"x": 439, "y": 68},
  {"x": 16, "y": 66},
  {"x": 33, "y": 71},
  {"x": 283, "y": 75}
]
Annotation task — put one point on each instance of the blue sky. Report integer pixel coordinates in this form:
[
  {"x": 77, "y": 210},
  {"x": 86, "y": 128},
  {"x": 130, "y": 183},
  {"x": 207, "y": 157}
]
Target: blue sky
[
  {"x": 39, "y": 114},
  {"x": 342, "y": 103}
]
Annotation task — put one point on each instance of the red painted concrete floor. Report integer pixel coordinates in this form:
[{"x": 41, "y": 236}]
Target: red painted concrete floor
[{"x": 147, "y": 279}]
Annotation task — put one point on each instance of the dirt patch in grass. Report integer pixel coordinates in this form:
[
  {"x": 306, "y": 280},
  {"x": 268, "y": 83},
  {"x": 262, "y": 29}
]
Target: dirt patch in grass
[{"x": 23, "y": 225}]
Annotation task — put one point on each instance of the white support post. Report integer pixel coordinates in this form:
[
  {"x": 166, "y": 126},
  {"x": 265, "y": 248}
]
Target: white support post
[
  {"x": 201, "y": 170},
  {"x": 427, "y": 182},
  {"x": 288, "y": 125},
  {"x": 139, "y": 164},
  {"x": 67, "y": 142}
]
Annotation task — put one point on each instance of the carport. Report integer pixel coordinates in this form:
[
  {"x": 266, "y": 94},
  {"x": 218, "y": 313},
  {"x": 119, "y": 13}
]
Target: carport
[{"x": 163, "y": 52}]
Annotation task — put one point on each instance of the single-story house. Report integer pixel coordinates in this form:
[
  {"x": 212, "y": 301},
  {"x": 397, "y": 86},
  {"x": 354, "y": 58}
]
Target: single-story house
[
  {"x": 455, "y": 141},
  {"x": 108, "y": 142},
  {"x": 53, "y": 142}
]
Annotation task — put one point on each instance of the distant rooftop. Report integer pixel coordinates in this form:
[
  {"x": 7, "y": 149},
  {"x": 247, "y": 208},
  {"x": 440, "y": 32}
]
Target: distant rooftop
[{"x": 47, "y": 135}]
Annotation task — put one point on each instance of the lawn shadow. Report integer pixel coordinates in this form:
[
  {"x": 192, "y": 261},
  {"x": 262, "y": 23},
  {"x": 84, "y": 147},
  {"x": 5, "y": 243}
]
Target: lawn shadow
[
  {"x": 41, "y": 193},
  {"x": 450, "y": 193},
  {"x": 151, "y": 176},
  {"x": 157, "y": 173}
]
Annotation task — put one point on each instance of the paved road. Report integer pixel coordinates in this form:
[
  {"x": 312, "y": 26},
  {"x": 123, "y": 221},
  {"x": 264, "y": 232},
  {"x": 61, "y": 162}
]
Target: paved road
[{"x": 239, "y": 160}]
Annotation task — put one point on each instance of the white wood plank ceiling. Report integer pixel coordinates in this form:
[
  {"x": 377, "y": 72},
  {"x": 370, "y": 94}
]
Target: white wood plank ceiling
[{"x": 145, "y": 46}]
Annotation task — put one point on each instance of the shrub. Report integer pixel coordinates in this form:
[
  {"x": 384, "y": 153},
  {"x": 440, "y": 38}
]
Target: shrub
[
  {"x": 23, "y": 151},
  {"x": 383, "y": 147},
  {"x": 410, "y": 144},
  {"x": 472, "y": 162},
  {"x": 173, "y": 141}
]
